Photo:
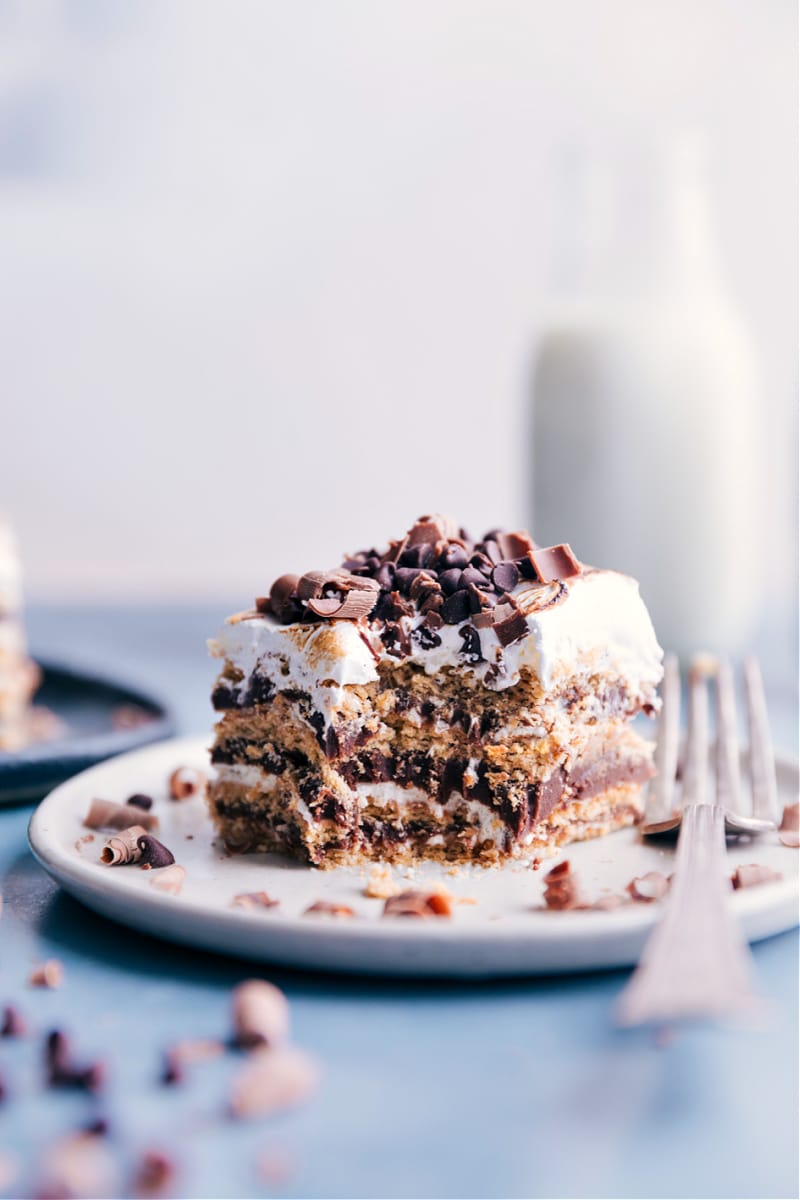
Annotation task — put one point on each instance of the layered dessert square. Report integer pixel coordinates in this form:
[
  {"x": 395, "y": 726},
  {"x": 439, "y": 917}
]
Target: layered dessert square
[
  {"x": 19, "y": 676},
  {"x": 442, "y": 698}
]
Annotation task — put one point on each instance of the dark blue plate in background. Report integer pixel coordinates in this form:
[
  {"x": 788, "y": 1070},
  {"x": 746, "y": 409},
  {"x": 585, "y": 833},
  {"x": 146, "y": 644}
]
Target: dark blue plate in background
[{"x": 97, "y": 718}]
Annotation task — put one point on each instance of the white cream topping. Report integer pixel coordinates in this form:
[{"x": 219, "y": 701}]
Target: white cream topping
[{"x": 602, "y": 627}]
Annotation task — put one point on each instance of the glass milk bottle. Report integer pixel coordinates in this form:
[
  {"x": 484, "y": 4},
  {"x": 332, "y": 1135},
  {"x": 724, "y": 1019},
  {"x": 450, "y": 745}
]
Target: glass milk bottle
[{"x": 646, "y": 441}]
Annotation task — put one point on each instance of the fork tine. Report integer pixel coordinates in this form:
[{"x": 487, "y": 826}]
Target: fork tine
[
  {"x": 760, "y": 756},
  {"x": 661, "y": 796},
  {"x": 729, "y": 790},
  {"x": 695, "y": 775}
]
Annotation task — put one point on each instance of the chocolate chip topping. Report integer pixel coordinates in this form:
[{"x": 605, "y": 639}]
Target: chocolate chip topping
[{"x": 436, "y": 571}]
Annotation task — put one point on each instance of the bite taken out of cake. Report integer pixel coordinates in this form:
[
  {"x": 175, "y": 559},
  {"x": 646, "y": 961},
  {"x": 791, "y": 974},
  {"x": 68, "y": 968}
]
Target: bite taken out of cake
[{"x": 438, "y": 699}]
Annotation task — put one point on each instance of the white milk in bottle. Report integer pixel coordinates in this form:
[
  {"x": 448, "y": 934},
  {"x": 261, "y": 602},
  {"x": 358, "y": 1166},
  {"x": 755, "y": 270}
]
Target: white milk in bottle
[{"x": 646, "y": 440}]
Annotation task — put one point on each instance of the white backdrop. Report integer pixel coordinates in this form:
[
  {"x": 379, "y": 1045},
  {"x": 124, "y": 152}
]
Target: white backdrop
[{"x": 272, "y": 273}]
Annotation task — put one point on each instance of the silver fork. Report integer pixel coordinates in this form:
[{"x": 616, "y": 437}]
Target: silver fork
[{"x": 696, "y": 962}]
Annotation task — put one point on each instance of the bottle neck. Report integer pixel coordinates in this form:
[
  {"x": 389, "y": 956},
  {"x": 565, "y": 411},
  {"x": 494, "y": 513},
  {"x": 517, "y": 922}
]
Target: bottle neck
[{"x": 635, "y": 228}]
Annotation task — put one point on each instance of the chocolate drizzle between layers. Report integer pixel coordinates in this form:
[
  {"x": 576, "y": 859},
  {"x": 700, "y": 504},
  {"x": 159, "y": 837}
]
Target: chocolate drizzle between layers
[
  {"x": 517, "y": 803},
  {"x": 437, "y": 571}
]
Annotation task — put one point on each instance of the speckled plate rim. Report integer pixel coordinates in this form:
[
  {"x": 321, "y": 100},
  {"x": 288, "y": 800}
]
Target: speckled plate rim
[{"x": 522, "y": 942}]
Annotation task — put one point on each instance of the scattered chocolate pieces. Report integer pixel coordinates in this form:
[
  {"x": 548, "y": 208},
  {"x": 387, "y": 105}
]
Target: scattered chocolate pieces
[
  {"x": 260, "y": 1015},
  {"x": 561, "y": 889},
  {"x": 169, "y": 880},
  {"x": 324, "y": 908},
  {"x": 752, "y": 875},
  {"x": 13, "y": 1025},
  {"x": 789, "y": 830},
  {"x": 139, "y": 800},
  {"x": 154, "y": 1174},
  {"x": 104, "y": 814},
  {"x": 185, "y": 782},
  {"x": 272, "y": 1081},
  {"x": 415, "y": 903},
  {"x": 123, "y": 847},
  {"x": 48, "y": 974},
  {"x": 649, "y": 887},
  {"x": 153, "y": 854},
  {"x": 254, "y": 900},
  {"x": 61, "y": 1071}
]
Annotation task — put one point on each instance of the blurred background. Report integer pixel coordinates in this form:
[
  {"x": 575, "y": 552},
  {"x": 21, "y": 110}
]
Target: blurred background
[{"x": 277, "y": 277}]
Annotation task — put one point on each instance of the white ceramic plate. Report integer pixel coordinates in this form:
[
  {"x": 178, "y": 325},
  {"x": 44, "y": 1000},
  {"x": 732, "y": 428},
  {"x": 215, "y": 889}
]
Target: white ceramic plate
[{"x": 505, "y": 932}]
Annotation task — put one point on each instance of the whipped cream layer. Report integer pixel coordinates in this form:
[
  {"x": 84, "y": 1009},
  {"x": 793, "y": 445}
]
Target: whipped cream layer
[{"x": 601, "y": 627}]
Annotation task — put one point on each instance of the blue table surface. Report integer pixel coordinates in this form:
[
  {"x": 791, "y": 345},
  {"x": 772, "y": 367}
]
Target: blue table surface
[{"x": 512, "y": 1089}]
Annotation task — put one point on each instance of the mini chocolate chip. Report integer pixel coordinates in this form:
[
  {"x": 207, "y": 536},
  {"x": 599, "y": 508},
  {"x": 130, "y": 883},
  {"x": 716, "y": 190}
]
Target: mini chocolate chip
[
  {"x": 450, "y": 580},
  {"x": 481, "y": 562},
  {"x": 385, "y": 576},
  {"x": 139, "y": 800},
  {"x": 471, "y": 575},
  {"x": 154, "y": 854},
  {"x": 456, "y": 608},
  {"x": 477, "y": 599},
  {"x": 453, "y": 555},
  {"x": 505, "y": 576},
  {"x": 491, "y": 549},
  {"x": 472, "y": 643}
]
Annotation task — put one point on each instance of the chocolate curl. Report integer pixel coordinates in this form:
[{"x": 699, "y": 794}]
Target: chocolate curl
[
  {"x": 418, "y": 904},
  {"x": 169, "y": 880},
  {"x": 310, "y": 585},
  {"x": 272, "y": 1081},
  {"x": 103, "y": 814},
  {"x": 185, "y": 782},
  {"x": 357, "y": 603},
  {"x": 123, "y": 847},
  {"x": 260, "y": 1015},
  {"x": 280, "y": 596},
  {"x": 153, "y": 853}
]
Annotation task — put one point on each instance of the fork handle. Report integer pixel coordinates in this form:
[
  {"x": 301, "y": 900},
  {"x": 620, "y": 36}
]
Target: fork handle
[{"x": 696, "y": 963}]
